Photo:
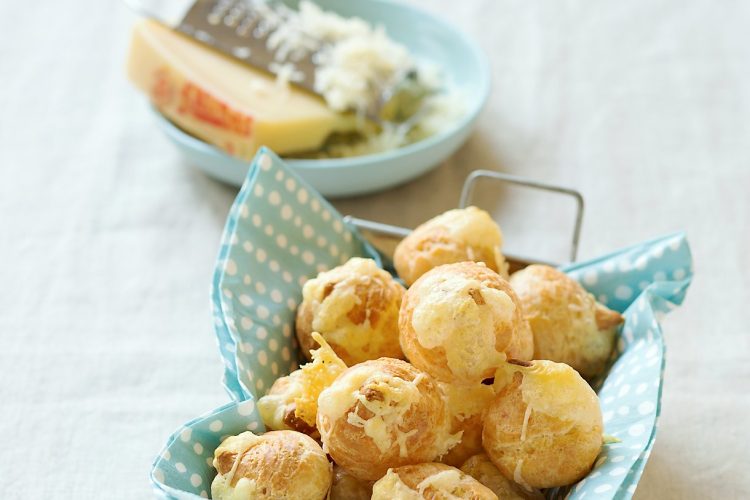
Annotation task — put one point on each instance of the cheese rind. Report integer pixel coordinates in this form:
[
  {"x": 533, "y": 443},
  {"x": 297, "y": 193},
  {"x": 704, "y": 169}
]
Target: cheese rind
[{"x": 223, "y": 102}]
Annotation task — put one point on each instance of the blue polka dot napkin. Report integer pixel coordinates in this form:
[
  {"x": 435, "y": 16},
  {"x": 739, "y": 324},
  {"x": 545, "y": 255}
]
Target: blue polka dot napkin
[{"x": 280, "y": 232}]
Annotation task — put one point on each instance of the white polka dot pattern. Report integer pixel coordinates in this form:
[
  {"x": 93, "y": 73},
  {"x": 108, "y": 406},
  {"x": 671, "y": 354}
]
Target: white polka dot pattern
[
  {"x": 280, "y": 232},
  {"x": 184, "y": 469},
  {"x": 637, "y": 282},
  {"x": 285, "y": 232}
]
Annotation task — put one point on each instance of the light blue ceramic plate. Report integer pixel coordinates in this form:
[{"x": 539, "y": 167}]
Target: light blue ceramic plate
[{"x": 429, "y": 39}]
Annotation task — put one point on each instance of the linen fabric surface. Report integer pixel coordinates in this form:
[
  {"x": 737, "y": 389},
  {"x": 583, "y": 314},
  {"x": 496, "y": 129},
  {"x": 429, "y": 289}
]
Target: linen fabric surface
[{"x": 109, "y": 241}]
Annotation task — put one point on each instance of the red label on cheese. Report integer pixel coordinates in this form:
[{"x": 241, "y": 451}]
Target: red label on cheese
[
  {"x": 196, "y": 102},
  {"x": 200, "y": 104}
]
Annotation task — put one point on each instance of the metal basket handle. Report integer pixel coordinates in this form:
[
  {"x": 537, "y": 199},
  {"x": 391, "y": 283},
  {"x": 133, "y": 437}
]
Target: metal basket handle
[
  {"x": 466, "y": 193},
  {"x": 471, "y": 181}
]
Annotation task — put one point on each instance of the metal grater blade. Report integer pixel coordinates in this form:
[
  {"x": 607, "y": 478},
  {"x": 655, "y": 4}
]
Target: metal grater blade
[{"x": 240, "y": 29}]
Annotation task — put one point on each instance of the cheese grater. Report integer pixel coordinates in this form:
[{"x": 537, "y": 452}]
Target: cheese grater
[{"x": 243, "y": 30}]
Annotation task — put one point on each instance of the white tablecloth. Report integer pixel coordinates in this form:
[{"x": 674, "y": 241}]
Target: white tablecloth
[{"x": 108, "y": 240}]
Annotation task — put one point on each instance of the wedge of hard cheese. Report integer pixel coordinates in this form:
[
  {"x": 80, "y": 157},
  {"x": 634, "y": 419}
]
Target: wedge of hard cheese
[{"x": 224, "y": 102}]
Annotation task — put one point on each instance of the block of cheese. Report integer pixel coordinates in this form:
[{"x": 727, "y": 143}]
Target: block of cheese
[{"x": 224, "y": 102}]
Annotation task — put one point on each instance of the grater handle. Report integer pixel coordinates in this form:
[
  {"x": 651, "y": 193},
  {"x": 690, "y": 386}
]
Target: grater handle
[{"x": 168, "y": 12}]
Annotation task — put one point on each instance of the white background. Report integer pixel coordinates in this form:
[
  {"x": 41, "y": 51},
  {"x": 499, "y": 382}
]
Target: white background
[{"x": 107, "y": 240}]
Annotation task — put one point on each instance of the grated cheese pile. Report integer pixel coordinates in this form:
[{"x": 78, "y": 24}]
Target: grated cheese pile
[
  {"x": 353, "y": 59},
  {"x": 354, "y": 62}
]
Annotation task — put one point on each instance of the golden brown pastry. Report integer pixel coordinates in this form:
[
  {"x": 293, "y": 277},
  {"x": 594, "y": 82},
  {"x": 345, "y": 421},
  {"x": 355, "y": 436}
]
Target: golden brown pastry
[
  {"x": 292, "y": 401},
  {"x": 465, "y": 404},
  {"x": 430, "y": 481},
  {"x": 463, "y": 234},
  {"x": 569, "y": 325},
  {"x": 277, "y": 464},
  {"x": 380, "y": 414},
  {"x": 481, "y": 468},
  {"x": 355, "y": 307},
  {"x": 347, "y": 487},
  {"x": 277, "y": 408},
  {"x": 544, "y": 427},
  {"x": 459, "y": 322}
]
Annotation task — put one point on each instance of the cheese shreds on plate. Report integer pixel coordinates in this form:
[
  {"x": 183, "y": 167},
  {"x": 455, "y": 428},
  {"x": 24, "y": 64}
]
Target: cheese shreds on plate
[{"x": 355, "y": 61}]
